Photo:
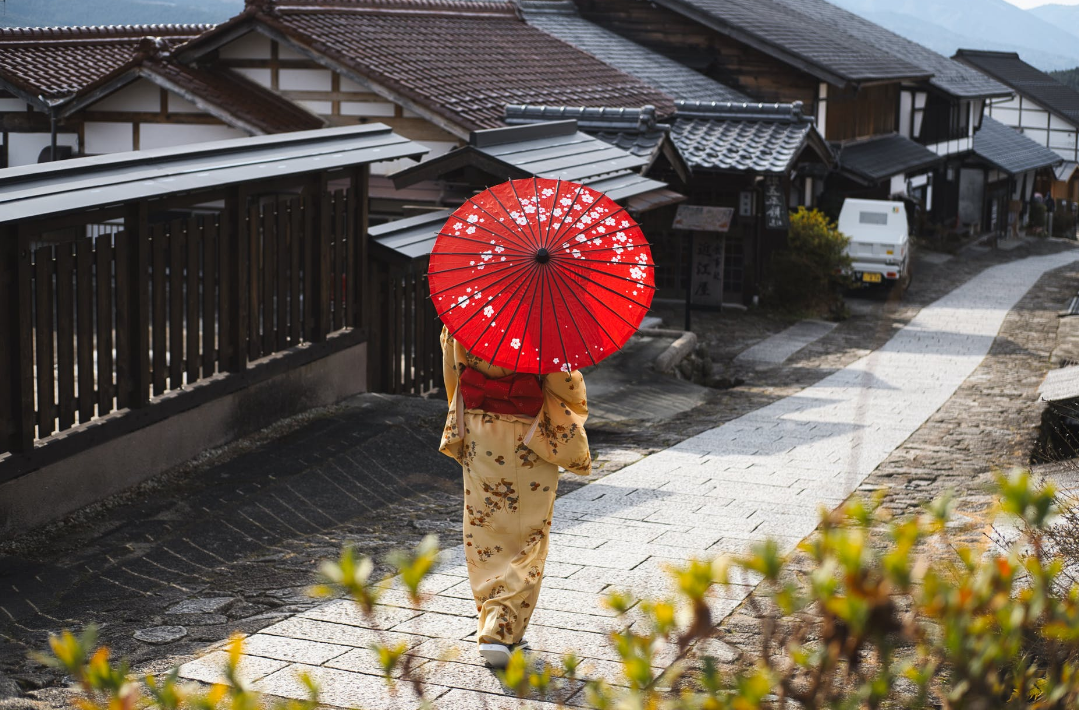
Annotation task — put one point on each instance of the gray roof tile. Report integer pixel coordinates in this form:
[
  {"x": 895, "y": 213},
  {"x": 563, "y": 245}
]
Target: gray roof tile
[
  {"x": 799, "y": 32},
  {"x": 759, "y": 138},
  {"x": 1010, "y": 150},
  {"x": 880, "y": 158},
  {"x": 559, "y": 18},
  {"x": 1027, "y": 80},
  {"x": 632, "y": 130},
  {"x": 948, "y": 75}
]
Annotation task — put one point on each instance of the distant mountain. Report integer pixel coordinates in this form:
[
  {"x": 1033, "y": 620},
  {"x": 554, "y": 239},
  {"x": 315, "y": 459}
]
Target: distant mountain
[
  {"x": 975, "y": 24},
  {"x": 52, "y": 13},
  {"x": 1066, "y": 17}
]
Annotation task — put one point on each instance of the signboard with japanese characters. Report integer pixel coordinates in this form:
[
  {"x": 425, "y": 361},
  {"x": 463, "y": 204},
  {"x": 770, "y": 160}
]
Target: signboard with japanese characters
[
  {"x": 775, "y": 207},
  {"x": 707, "y": 265},
  {"x": 698, "y": 218}
]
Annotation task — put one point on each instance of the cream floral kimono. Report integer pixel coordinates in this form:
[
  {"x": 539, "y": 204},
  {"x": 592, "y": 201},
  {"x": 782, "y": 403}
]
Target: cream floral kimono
[{"x": 510, "y": 487}]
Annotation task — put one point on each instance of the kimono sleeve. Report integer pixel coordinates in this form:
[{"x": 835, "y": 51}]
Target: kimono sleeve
[
  {"x": 560, "y": 437},
  {"x": 452, "y": 443}
]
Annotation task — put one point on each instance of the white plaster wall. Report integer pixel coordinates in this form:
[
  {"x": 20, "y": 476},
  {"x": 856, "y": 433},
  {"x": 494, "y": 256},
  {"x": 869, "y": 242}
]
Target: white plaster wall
[
  {"x": 263, "y": 77},
  {"x": 178, "y": 104},
  {"x": 142, "y": 95},
  {"x": 1007, "y": 116},
  {"x": 1034, "y": 118},
  {"x": 108, "y": 138},
  {"x": 24, "y": 148},
  {"x": 349, "y": 85},
  {"x": 153, "y": 135},
  {"x": 906, "y": 108},
  {"x": 367, "y": 108},
  {"x": 1058, "y": 123},
  {"x": 12, "y": 105},
  {"x": 322, "y": 108},
  {"x": 251, "y": 46},
  {"x": 286, "y": 52},
  {"x": 1038, "y": 135},
  {"x": 305, "y": 80}
]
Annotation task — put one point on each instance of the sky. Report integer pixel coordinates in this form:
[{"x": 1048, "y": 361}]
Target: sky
[{"x": 1034, "y": 3}]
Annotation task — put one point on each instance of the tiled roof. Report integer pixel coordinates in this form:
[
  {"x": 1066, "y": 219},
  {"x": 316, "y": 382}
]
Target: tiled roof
[
  {"x": 1010, "y": 150},
  {"x": 234, "y": 98},
  {"x": 880, "y": 158},
  {"x": 555, "y": 150},
  {"x": 560, "y": 19},
  {"x": 1026, "y": 80},
  {"x": 460, "y": 60},
  {"x": 633, "y": 130},
  {"x": 1065, "y": 170},
  {"x": 948, "y": 75},
  {"x": 57, "y": 62},
  {"x": 801, "y": 37},
  {"x": 757, "y": 138}
]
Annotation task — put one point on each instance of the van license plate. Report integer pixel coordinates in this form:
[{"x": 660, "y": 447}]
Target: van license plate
[{"x": 871, "y": 278}]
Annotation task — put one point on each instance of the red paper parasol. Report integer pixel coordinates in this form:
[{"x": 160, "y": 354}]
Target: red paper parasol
[{"x": 541, "y": 275}]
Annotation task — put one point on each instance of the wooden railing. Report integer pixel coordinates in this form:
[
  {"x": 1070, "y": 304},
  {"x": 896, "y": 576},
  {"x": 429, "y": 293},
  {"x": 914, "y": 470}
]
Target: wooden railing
[
  {"x": 404, "y": 353},
  {"x": 112, "y": 318}
]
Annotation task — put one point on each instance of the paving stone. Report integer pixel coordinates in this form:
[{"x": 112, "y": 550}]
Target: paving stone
[
  {"x": 313, "y": 630},
  {"x": 443, "y": 625},
  {"x": 464, "y": 700},
  {"x": 437, "y": 603},
  {"x": 210, "y": 668},
  {"x": 348, "y": 612},
  {"x": 210, "y": 605},
  {"x": 365, "y": 660},
  {"x": 342, "y": 688},
  {"x": 623, "y": 559},
  {"x": 292, "y": 650},
  {"x": 161, "y": 634}
]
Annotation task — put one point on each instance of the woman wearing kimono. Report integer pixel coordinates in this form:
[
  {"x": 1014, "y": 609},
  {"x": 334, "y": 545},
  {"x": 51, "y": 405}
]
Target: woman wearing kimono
[{"x": 517, "y": 430}]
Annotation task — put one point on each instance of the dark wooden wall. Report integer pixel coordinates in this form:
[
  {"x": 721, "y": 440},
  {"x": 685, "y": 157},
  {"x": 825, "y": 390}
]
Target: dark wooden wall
[
  {"x": 730, "y": 62},
  {"x": 871, "y": 111}
]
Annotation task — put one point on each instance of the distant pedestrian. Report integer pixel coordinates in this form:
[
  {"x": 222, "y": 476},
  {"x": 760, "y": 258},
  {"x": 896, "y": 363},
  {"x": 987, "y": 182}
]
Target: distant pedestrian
[{"x": 517, "y": 430}]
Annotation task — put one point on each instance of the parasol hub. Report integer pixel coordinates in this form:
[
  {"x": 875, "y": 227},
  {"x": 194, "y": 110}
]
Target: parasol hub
[{"x": 543, "y": 256}]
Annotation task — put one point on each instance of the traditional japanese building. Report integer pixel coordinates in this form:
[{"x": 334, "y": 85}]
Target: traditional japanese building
[
  {"x": 95, "y": 90},
  {"x": 1042, "y": 109},
  {"x": 749, "y": 163},
  {"x": 353, "y": 61},
  {"x": 859, "y": 81}
]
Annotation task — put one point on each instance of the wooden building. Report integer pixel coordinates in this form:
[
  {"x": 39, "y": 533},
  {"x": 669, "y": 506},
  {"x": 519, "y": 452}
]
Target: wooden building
[
  {"x": 94, "y": 90},
  {"x": 1042, "y": 109},
  {"x": 1013, "y": 164},
  {"x": 353, "y": 61},
  {"x": 734, "y": 158},
  {"x": 860, "y": 82}
]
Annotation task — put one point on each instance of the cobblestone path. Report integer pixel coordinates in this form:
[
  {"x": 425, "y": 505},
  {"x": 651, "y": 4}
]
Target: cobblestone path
[{"x": 761, "y": 475}]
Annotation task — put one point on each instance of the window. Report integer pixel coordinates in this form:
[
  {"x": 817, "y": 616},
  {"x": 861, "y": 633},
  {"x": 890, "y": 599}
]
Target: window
[{"x": 880, "y": 218}]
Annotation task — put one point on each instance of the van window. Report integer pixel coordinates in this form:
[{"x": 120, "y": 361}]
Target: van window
[{"x": 873, "y": 218}]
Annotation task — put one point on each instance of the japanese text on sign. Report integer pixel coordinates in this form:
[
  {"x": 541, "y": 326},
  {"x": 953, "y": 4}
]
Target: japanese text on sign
[
  {"x": 707, "y": 281},
  {"x": 775, "y": 208}
]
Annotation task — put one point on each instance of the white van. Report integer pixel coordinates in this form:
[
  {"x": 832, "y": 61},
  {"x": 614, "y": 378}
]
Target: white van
[{"x": 879, "y": 241}]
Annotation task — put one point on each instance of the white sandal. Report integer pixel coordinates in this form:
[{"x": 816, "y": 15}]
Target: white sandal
[{"x": 496, "y": 655}]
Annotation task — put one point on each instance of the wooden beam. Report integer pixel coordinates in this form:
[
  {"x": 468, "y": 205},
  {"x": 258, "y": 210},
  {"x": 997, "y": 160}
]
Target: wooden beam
[
  {"x": 150, "y": 117},
  {"x": 16, "y": 366}
]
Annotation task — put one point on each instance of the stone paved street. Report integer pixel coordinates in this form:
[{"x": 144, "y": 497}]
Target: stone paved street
[
  {"x": 763, "y": 474},
  {"x": 230, "y": 542}
]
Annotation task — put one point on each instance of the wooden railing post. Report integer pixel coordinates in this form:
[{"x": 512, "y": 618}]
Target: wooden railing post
[
  {"x": 321, "y": 221},
  {"x": 16, "y": 368},
  {"x": 360, "y": 310},
  {"x": 235, "y": 302},
  {"x": 133, "y": 317}
]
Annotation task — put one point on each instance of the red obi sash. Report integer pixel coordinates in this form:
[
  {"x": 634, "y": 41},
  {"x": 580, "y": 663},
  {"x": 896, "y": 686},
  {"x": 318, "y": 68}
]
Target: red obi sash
[{"x": 516, "y": 394}]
